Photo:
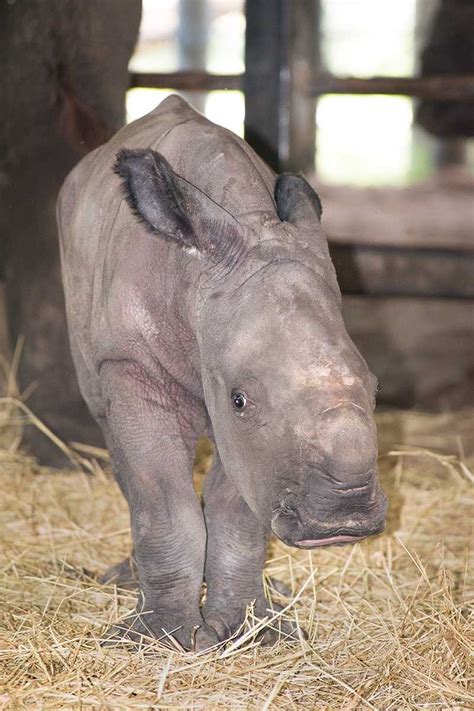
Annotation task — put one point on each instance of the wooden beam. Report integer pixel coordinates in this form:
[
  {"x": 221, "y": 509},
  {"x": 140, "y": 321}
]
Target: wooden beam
[
  {"x": 186, "y": 81},
  {"x": 441, "y": 88},
  {"x": 375, "y": 270},
  {"x": 445, "y": 88}
]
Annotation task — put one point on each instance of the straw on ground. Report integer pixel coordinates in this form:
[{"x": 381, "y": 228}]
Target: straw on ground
[{"x": 390, "y": 622}]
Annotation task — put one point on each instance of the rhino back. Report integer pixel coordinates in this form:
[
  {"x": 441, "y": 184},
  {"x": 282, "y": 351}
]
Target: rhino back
[
  {"x": 207, "y": 155},
  {"x": 114, "y": 271}
]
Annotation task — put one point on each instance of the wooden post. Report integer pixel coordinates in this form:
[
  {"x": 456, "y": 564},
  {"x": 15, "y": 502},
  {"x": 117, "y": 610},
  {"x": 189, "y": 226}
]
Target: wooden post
[
  {"x": 280, "y": 63},
  {"x": 304, "y": 64}
]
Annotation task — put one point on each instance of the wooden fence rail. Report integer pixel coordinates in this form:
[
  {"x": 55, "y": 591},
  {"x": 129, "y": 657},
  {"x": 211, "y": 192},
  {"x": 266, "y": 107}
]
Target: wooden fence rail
[
  {"x": 187, "y": 81},
  {"x": 397, "y": 270},
  {"x": 439, "y": 88}
]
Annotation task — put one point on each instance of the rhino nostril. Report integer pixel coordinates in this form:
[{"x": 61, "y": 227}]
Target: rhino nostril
[
  {"x": 286, "y": 506},
  {"x": 288, "y": 510}
]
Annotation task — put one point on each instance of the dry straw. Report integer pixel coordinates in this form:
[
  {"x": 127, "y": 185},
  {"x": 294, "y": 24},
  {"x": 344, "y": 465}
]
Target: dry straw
[{"x": 390, "y": 622}]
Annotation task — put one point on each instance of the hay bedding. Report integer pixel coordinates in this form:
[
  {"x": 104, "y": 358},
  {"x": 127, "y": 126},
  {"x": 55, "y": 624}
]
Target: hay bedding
[{"x": 390, "y": 621}]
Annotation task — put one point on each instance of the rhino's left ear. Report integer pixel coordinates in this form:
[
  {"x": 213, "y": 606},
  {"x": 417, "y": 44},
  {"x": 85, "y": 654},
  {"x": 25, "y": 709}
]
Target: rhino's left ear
[
  {"x": 296, "y": 201},
  {"x": 173, "y": 208}
]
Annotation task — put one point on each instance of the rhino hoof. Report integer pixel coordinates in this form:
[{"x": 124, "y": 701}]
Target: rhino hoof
[
  {"x": 277, "y": 631},
  {"x": 141, "y": 630}
]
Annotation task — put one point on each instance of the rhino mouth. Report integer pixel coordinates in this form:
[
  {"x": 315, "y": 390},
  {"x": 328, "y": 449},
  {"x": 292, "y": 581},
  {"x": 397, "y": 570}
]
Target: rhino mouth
[
  {"x": 309, "y": 532},
  {"x": 330, "y": 541},
  {"x": 319, "y": 538}
]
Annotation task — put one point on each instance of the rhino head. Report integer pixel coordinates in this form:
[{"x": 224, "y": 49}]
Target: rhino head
[{"x": 289, "y": 396}]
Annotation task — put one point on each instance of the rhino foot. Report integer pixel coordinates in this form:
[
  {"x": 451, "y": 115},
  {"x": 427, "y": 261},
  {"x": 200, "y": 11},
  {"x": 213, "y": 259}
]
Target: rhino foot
[
  {"x": 146, "y": 628},
  {"x": 228, "y": 623},
  {"x": 281, "y": 631}
]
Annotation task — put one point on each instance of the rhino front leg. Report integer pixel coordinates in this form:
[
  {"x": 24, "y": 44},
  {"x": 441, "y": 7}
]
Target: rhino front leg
[
  {"x": 152, "y": 453},
  {"x": 236, "y": 548}
]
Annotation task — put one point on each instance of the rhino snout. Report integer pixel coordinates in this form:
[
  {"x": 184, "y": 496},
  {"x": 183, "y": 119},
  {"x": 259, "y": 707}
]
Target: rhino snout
[{"x": 346, "y": 440}]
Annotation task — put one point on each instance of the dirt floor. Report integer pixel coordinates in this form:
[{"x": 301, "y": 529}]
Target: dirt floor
[{"x": 390, "y": 622}]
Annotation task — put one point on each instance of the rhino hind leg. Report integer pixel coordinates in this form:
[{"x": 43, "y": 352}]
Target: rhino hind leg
[{"x": 123, "y": 575}]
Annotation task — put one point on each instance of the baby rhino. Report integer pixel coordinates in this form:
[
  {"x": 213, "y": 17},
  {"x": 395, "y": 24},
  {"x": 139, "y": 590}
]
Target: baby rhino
[{"x": 201, "y": 299}]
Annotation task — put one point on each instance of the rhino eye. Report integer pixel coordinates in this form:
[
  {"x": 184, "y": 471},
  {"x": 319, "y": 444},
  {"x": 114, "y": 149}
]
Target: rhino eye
[{"x": 239, "y": 401}]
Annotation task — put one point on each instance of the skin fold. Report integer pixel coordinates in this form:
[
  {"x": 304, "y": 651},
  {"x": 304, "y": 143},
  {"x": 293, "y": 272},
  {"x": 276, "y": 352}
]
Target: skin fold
[{"x": 201, "y": 299}]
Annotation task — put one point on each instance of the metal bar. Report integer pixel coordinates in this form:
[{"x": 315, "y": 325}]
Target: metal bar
[
  {"x": 439, "y": 88},
  {"x": 403, "y": 271},
  {"x": 187, "y": 81}
]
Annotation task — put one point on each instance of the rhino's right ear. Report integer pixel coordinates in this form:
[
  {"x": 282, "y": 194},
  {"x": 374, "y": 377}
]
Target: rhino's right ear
[
  {"x": 152, "y": 192},
  {"x": 296, "y": 200}
]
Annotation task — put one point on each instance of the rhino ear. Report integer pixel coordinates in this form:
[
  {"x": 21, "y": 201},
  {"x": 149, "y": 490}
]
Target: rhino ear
[
  {"x": 177, "y": 210},
  {"x": 296, "y": 201},
  {"x": 152, "y": 192}
]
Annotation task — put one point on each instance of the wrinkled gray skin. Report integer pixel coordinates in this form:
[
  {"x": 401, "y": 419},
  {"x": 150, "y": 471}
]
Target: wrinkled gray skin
[
  {"x": 211, "y": 278},
  {"x": 63, "y": 77}
]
